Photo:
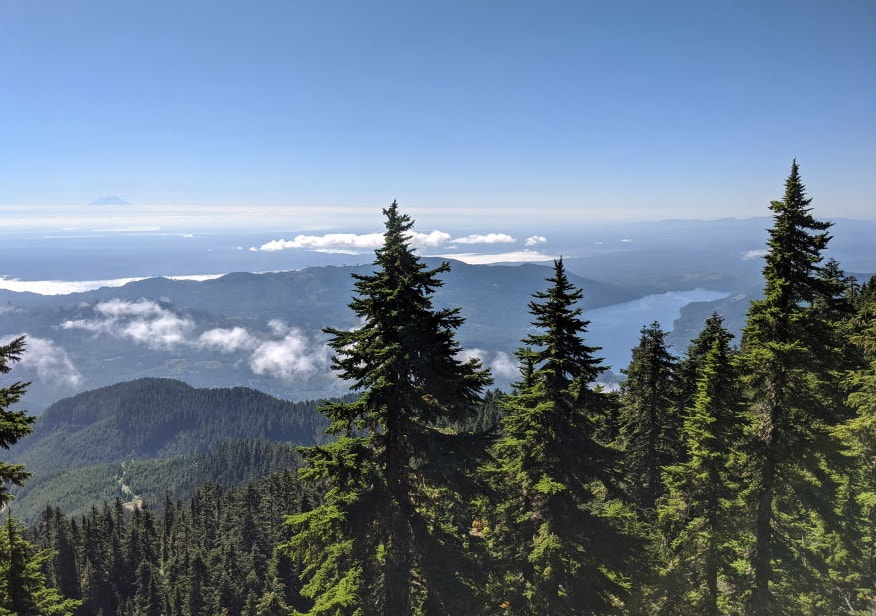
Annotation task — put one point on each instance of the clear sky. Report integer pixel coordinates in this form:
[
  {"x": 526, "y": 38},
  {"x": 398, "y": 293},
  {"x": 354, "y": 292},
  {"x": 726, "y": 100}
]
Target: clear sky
[{"x": 320, "y": 112}]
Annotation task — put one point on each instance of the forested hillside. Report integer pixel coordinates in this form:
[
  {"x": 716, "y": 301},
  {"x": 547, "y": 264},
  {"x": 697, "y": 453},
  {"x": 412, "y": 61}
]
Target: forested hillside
[
  {"x": 151, "y": 437},
  {"x": 159, "y": 418},
  {"x": 735, "y": 478}
]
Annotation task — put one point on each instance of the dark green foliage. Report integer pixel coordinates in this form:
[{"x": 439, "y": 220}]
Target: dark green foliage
[
  {"x": 161, "y": 418},
  {"x": 212, "y": 553},
  {"x": 556, "y": 529},
  {"x": 23, "y": 587},
  {"x": 14, "y": 424},
  {"x": 699, "y": 517},
  {"x": 147, "y": 481},
  {"x": 389, "y": 538},
  {"x": 788, "y": 354},
  {"x": 650, "y": 420},
  {"x": 853, "y": 548}
]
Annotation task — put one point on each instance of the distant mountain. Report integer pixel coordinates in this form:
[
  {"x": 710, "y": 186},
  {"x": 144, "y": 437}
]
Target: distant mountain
[
  {"x": 149, "y": 436},
  {"x": 256, "y": 330},
  {"x": 109, "y": 200}
]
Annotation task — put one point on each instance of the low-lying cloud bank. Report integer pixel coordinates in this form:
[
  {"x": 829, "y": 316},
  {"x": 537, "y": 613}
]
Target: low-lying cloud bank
[
  {"x": 518, "y": 256},
  {"x": 66, "y": 287},
  {"x": 282, "y": 352}
]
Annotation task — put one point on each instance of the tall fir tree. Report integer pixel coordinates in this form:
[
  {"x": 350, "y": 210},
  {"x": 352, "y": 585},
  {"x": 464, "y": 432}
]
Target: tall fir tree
[
  {"x": 558, "y": 530},
  {"x": 388, "y": 537},
  {"x": 649, "y": 417},
  {"x": 698, "y": 517},
  {"x": 14, "y": 424},
  {"x": 784, "y": 351}
]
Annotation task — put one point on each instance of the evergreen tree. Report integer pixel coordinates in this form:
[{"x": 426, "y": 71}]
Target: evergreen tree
[
  {"x": 557, "y": 529},
  {"x": 650, "y": 422},
  {"x": 23, "y": 588},
  {"x": 853, "y": 558},
  {"x": 689, "y": 369},
  {"x": 13, "y": 424},
  {"x": 387, "y": 538},
  {"x": 784, "y": 351},
  {"x": 698, "y": 515}
]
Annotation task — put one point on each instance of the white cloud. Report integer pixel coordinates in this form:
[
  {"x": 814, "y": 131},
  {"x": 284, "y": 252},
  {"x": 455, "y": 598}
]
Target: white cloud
[
  {"x": 755, "y": 254},
  {"x": 466, "y": 355},
  {"x": 429, "y": 240},
  {"x": 119, "y": 308},
  {"x": 50, "y": 361},
  {"x": 534, "y": 240},
  {"x": 331, "y": 242},
  {"x": 285, "y": 353},
  {"x": 165, "y": 331},
  {"x": 143, "y": 321},
  {"x": 489, "y": 238},
  {"x": 351, "y": 243},
  {"x": 293, "y": 357},
  {"x": 519, "y": 256},
  {"x": 278, "y": 327},
  {"x": 228, "y": 340},
  {"x": 504, "y": 365}
]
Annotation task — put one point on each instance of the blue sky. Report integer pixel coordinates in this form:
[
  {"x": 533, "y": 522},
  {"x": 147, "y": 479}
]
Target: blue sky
[{"x": 315, "y": 114}]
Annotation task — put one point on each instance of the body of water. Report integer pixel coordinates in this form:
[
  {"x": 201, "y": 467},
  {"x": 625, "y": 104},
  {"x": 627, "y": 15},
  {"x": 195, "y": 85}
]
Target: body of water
[{"x": 617, "y": 328}]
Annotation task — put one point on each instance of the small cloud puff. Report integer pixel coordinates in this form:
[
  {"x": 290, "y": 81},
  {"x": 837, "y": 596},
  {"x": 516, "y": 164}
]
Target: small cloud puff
[
  {"x": 504, "y": 365},
  {"x": 293, "y": 357},
  {"x": 50, "y": 361},
  {"x": 501, "y": 364},
  {"x": 143, "y": 321},
  {"x": 535, "y": 240},
  {"x": 228, "y": 340},
  {"x": 488, "y": 238},
  {"x": 332, "y": 242},
  {"x": 754, "y": 254}
]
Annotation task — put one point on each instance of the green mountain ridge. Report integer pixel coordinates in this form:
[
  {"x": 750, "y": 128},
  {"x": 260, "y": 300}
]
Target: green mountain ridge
[{"x": 162, "y": 436}]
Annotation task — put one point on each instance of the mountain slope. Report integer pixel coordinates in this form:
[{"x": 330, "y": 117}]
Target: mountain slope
[
  {"x": 152, "y": 436},
  {"x": 159, "y": 418}
]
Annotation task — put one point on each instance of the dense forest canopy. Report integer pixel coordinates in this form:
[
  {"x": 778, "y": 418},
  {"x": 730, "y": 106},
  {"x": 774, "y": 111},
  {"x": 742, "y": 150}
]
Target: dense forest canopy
[{"x": 735, "y": 478}]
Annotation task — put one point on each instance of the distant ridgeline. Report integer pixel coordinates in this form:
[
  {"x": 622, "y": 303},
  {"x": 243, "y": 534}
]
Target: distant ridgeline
[{"x": 146, "y": 438}]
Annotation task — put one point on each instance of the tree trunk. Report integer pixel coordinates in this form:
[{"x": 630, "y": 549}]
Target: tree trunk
[
  {"x": 399, "y": 561},
  {"x": 763, "y": 571}
]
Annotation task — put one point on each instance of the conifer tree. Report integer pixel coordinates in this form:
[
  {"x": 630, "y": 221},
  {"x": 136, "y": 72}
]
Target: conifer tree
[
  {"x": 854, "y": 556},
  {"x": 791, "y": 405},
  {"x": 13, "y": 424},
  {"x": 23, "y": 587},
  {"x": 650, "y": 422},
  {"x": 689, "y": 368},
  {"x": 387, "y": 538},
  {"x": 558, "y": 530},
  {"x": 700, "y": 512}
]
